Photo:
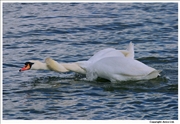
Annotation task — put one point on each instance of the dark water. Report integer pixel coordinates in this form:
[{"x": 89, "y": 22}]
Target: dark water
[{"x": 70, "y": 32}]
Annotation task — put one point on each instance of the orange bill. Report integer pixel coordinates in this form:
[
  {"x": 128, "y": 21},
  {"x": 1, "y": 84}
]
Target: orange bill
[{"x": 26, "y": 67}]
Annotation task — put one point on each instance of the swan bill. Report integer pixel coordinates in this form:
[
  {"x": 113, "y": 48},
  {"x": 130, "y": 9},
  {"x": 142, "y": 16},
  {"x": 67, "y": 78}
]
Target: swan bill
[{"x": 27, "y": 66}]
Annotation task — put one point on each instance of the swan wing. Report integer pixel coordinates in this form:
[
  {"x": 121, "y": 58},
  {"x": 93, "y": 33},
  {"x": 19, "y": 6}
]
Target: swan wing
[
  {"x": 120, "y": 67},
  {"x": 111, "y": 52},
  {"x": 130, "y": 48},
  {"x": 108, "y": 52},
  {"x": 129, "y": 52},
  {"x": 125, "y": 66}
]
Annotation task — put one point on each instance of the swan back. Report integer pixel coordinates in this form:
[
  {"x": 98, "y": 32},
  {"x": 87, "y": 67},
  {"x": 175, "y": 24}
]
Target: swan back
[
  {"x": 101, "y": 57},
  {"x": 120, "y": 69},
  {"x": 108, "y": 52}
]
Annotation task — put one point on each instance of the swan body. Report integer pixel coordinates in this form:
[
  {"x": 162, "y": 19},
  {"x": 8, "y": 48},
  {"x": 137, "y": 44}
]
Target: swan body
[
  {"x": 114, "y": 65},
  {"x": 123, "y": 69}
]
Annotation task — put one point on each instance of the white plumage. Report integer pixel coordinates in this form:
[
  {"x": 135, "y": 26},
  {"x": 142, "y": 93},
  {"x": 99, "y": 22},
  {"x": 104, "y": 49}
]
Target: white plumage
[{"x": 114, "y": 65}]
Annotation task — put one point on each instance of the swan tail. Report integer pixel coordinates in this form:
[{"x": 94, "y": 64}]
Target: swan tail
[
  {"x": 153, "y": 74},
  {"x": 159, "y": 71}
]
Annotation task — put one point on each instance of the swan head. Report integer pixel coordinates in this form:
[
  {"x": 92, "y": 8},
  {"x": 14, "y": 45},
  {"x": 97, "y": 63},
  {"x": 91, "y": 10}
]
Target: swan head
[
  {"x": 34, "y": 65},
  {"x": 28, "y": 66}
]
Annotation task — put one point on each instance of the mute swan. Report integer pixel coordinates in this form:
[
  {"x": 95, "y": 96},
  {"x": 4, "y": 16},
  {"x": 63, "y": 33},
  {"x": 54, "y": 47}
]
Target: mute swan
[{"x": 114, "y": 65}]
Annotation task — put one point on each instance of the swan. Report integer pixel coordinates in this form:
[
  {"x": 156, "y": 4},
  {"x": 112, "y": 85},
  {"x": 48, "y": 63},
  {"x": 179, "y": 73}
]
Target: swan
[{"x": 114, "y": 65}]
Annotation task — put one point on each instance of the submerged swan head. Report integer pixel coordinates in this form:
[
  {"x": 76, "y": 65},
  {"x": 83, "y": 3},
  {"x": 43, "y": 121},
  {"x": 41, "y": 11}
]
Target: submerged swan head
[{"x": 34, "y": 65}]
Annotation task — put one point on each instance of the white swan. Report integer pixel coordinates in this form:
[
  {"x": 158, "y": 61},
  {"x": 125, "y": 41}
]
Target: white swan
[{"x": 114, "y": 65}]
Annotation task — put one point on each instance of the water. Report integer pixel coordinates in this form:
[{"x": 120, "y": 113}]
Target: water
[{"x": 70, "y": 32}]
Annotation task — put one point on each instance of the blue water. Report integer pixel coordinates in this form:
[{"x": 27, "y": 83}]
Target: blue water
[{"x": 70, "y": 32}]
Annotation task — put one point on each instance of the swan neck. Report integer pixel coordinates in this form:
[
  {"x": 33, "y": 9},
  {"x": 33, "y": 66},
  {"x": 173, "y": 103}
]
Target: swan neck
[
  {"x": 44, "y": 66},
  {"x": 73, "y": 67},
  {"x": 39, "y": 65}
]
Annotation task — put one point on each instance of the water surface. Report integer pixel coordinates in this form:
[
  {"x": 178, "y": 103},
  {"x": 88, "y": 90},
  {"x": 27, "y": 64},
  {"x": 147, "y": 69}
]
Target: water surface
[{"x": 70, "y": 32}]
